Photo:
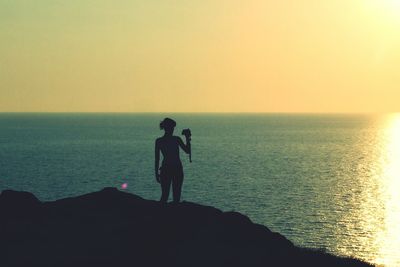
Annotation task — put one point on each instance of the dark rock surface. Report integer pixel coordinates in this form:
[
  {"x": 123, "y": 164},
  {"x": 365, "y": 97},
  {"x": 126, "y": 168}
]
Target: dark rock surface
[{"x": 114, "y": 228}]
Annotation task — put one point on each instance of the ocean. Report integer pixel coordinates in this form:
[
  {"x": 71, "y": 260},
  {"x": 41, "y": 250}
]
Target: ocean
[{"x": 325, "y": 181}]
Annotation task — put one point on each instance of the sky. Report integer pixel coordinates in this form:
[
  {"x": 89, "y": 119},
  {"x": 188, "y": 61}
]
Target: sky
[{"x": 200, "y": 56}]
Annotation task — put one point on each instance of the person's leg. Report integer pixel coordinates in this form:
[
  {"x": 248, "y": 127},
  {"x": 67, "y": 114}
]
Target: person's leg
[
  {"x": 165, "y": 186},
  {"x": 177, "y": 182}
]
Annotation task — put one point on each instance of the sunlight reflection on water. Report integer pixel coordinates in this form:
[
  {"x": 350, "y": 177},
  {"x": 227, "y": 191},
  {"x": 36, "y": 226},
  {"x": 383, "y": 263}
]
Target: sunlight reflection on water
[
  {"x": 368, "y": 202},
  {"x": 389, "y": 238},
  {"x": 375, "y": 220}
]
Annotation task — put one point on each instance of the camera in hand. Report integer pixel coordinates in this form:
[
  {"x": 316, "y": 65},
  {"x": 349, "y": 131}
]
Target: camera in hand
[{"x": 187, "y": 133}]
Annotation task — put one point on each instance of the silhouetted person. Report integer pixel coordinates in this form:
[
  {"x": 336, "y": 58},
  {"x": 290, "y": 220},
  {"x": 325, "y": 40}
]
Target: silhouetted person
[{"x": 171, "y": 170}]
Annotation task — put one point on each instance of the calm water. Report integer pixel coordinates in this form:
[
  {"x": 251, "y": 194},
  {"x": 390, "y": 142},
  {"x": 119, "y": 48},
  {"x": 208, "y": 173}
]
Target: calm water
[{"x": 324, "y": 181}]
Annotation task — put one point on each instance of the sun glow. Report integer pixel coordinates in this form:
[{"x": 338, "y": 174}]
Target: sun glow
[
  {"x": 389, "y": 5},
  {"x": 388, "y": 9},
  {"x": 393, "y": 3},
  {"x": 393, "y": 7}
]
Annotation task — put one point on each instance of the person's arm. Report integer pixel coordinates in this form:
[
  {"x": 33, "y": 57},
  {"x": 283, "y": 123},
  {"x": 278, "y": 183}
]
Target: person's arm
[
  {"x": 157, "y": 161},
  {"x": 185, "y": 147}
]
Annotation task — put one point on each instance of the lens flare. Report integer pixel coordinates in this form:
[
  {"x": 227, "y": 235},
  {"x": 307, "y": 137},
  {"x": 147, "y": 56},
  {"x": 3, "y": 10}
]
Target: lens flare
[{"x": 124, "y": 186}]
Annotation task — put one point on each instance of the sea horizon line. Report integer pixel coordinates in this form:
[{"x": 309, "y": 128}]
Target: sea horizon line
[{"x": 196, "y": 113}]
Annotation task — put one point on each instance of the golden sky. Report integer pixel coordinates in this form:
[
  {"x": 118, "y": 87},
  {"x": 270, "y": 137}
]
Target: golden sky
[{"x": 200, "y": 55}]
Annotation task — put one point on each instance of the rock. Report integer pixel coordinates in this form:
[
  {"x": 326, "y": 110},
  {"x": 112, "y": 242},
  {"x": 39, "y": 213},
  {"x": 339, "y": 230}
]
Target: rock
[
  {"x": 15, "y": 203},
  {"x": 114, "y": 228}
]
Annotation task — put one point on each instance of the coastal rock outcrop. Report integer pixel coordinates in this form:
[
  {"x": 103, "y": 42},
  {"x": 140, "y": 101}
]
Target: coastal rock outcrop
[{"x": 115, "y": 228}]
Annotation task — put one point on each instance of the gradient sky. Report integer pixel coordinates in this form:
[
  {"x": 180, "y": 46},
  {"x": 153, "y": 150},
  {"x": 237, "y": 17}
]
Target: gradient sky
[{"x": 200, "y": 56}]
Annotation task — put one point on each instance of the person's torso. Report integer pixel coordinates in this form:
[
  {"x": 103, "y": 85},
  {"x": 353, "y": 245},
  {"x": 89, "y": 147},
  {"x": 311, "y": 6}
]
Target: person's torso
[{"x": 169, "y": 147}]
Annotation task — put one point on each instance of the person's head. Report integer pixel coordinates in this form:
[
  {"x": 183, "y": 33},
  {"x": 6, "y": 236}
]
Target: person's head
[{"x": 168, "y": 125}]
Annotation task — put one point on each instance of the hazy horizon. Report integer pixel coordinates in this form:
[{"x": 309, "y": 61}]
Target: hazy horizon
[
  {"x": 201, "y": 112},
  {"x": 200, "y": 56}
]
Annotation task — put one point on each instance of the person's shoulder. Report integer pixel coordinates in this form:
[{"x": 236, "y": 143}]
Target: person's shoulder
[
  {"x": 159, "y": 140},
  {"x": 178, "y": 139}
]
